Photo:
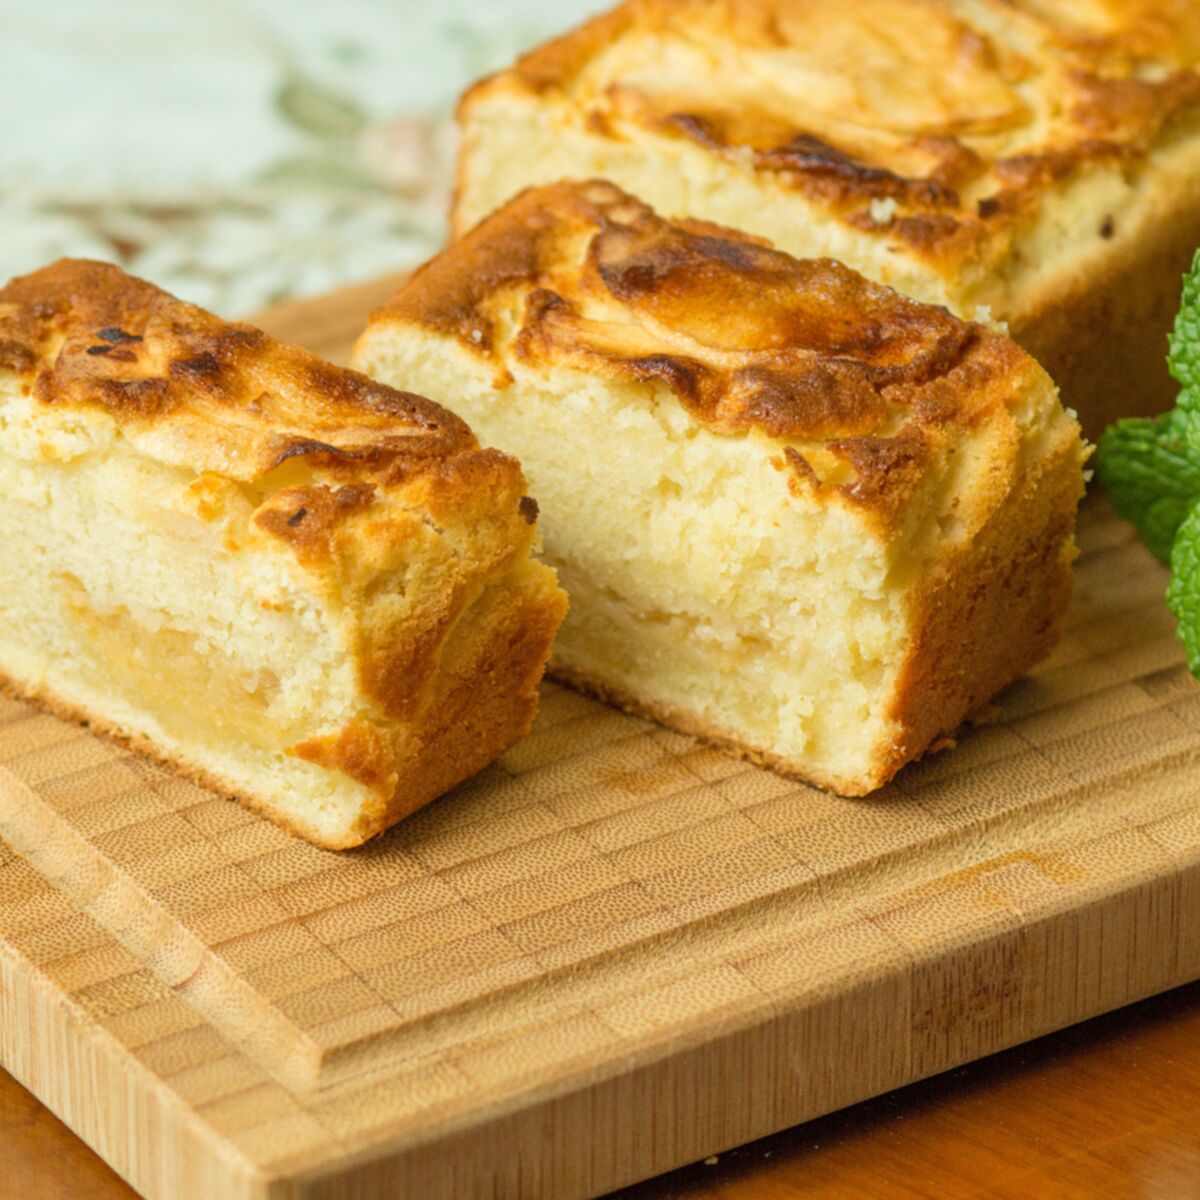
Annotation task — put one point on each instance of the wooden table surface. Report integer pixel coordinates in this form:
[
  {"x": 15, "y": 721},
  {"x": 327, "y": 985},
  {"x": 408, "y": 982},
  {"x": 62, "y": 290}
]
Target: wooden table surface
[{"x": 1106, "y": 1109}]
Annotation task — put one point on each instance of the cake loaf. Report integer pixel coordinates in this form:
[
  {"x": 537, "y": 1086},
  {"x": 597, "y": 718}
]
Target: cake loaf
[
  {"x": 298, "y": 585},
  {"x": 1038, "y": 160},
  {"x": 796, "y": 513}
]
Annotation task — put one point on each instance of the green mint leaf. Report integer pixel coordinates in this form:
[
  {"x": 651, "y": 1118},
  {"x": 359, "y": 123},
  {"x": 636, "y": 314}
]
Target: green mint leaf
[
  {"x": 1183, "y": 596},
  {"x": 1152, "y": 473},
  {"x": 1184, "y": 355}
]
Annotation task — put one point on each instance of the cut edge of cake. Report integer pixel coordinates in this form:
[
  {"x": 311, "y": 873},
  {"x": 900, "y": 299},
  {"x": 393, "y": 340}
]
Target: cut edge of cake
[
  {"x": 286, "y": 581},
  {"x": 674, "y": 384}
]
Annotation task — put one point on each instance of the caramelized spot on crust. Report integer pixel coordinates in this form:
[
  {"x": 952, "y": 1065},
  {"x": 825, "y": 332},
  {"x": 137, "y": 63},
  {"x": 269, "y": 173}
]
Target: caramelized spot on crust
[
  {"x": 360, "y": 750},
  {"x": 824, "y": 169},
  {"x": 803, "y": 472},
  {"x": 866, "y": 386},
  {"x": 753, "y": 298},
  {"x": 885, "y": 468},
  {"x": 809, "y": 154},
  {"x": 112, "y": 334},
  {"x": 89, "y": 335},
  {"x": 831, "y": 395},
  {"x": 16, "y": 356},
  {"x": 308, "y": 518}
]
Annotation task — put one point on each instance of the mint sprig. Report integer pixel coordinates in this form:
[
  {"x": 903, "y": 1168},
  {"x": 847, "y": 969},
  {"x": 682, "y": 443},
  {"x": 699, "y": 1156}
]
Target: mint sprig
[
  {"x": 1152, "y": 474},
  {"x": 1151, "y": 468},
  {"x": 1183, "y": 594},
  {"x": 1184, "y": 355}
]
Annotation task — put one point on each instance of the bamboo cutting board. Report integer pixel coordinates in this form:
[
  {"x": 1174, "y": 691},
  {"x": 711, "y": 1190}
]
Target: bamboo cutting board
[{"x": 615, "y": 951}]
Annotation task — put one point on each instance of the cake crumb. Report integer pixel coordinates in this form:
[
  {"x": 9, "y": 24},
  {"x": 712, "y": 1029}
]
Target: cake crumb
[
  {"x": 711, "y": 1160},
  {"x": 883, "y": 211},
  {"x": 983, "y": 316}
]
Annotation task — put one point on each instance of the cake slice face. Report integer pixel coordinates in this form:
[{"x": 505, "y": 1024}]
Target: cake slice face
[
  {"x": 1037, "y": 158},
  {"x": 795, "y": 513},
  {"x": 298, "y": 585}
]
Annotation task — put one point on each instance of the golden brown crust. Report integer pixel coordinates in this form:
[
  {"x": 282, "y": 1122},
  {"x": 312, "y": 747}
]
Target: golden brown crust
[
  {"x": 867, "y": 387},
  {"x": 962, "y": 116},
  {"x": 482, "y": 700},
  {"x": 85, "y": 334},
  {"x": 487, "y": 693},
  {"x": 989, "y": 612}
]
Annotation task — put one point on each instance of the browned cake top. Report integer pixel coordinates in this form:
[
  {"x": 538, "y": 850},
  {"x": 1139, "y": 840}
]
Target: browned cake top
[
  {"x": 862, "y": 388},
  {"x": 322, "y": 444},
  {"x": 86, "y": 334},
  {"x": 958, "y": 114}
]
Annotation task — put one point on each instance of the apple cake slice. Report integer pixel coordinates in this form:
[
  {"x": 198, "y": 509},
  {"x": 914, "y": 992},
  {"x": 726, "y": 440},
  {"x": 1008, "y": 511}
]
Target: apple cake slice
[
  {"x": 796, "y": 513},
  {"x": 296, "y": 584}
]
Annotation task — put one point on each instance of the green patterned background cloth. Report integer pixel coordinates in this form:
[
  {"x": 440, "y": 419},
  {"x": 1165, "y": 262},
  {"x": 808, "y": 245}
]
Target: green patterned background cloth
[{"x": 241, "y": 151}]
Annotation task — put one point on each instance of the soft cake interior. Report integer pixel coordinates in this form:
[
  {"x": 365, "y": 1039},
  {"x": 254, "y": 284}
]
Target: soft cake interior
[
  {"x": 126, "y": 579},
  {"x": 130, "y": 602},
  {"x": 702, "y": 591}
]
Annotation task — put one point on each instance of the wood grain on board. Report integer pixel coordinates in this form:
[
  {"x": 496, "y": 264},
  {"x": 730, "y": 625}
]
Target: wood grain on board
[
  {"x": 1104, "y": 1110},
  {"x": 613, "y": 952}
]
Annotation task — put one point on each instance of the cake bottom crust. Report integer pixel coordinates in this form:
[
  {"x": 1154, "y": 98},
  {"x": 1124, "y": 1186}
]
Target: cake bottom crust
[
  {"x": 49, "y": 701},
  {"x": 485, "y": 708},
  {"x": 681, "y": 721},
  {"x": 678, "y": 721}
]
